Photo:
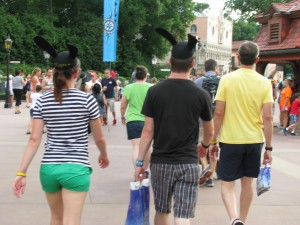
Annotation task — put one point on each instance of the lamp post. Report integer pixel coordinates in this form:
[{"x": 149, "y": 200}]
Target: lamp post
[
  {"x": 154, "y": 61},
  {"x": 46, "y": 56},
  {"x": 7, "y": 45}
]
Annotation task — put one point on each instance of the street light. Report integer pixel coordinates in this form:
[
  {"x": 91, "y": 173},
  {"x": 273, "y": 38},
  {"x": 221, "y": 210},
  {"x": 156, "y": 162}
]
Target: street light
[
  {"x": 7, "y": 45},
  {"x": 46, "y": 56},
  {"x": 154, "y": 61}
]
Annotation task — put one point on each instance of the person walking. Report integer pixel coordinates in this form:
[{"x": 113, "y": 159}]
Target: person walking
[
  {"x": 34, "y": 97},
  {"x": 18, "y": 84},
  {"x": 243, "y": 117},
  {"x": 110, "y": 89},
  {"x": 65, "y": 168},
  {"x": 294, "y": 115},
  {"x": 27, "y": 90},
  {"x": 213, "y": 79},
  {"x": 172, "y": 109},
  {"x": 285, "y": 104},
  {"x": 47, "y": 82},
  {"x": 35, "y": 78},
  {"x": 101, "y": 100},
  {"x": 132, "y": 100}
]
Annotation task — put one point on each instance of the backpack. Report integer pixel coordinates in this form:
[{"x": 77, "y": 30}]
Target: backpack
[{"x": 211, "y": 84}]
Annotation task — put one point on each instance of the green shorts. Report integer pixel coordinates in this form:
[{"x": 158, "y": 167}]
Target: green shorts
[{"x": 70, "y": 176}]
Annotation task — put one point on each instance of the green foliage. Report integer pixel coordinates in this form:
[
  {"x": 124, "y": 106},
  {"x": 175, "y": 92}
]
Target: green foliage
[
  {"x": 248, "y": 8},
  {"x": 200, "y": 7},
  {"x": 81, "y": 23},
  {"x": 245, "y": 30}
]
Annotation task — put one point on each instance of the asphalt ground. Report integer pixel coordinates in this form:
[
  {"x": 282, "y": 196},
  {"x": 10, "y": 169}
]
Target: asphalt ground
[{"x": 107, "y": 201}]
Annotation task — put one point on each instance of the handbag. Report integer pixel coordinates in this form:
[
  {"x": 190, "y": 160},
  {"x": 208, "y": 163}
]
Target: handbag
[
  {"x": 138, "y": 209},
  {"x": 263, "y": 182}
]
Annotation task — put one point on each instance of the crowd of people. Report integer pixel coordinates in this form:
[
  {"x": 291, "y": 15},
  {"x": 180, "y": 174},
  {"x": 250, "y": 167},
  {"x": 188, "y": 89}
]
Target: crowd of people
[{"x": 182, "y": 134}]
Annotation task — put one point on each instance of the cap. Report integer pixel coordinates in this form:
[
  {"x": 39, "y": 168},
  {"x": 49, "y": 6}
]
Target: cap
[
  {"x": 182, "y": 49},
  {"x": 62, "y": 61}
]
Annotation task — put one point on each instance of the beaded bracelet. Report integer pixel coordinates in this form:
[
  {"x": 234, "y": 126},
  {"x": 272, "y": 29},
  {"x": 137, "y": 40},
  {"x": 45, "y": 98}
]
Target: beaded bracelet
[{"x": 139, "y": 163}]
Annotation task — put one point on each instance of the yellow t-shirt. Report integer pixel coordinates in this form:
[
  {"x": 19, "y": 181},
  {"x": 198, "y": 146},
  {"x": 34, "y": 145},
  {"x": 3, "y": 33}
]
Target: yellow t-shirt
[{"x": 244, "y": 91}]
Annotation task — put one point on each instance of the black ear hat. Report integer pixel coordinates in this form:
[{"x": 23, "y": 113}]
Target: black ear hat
[
  {"x": 62, "y": 61},
  {"x": 181, "y": 50}
]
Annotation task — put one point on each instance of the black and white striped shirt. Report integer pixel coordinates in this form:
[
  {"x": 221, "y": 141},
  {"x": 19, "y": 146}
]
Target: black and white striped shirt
[{"x": 67, "y": 125}]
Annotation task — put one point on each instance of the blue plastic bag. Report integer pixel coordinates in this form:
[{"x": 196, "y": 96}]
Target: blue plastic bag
[
  {"x": 263, "y": 182},
  {"x": 138, "y": 209}
]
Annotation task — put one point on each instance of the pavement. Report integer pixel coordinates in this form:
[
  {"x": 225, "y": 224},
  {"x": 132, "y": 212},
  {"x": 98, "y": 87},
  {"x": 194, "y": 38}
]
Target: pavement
[{"x": 107, "y": 201}]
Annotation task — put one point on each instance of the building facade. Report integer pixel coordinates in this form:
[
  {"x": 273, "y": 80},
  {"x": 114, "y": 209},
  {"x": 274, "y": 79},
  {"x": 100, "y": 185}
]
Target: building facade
[{"x": 215, "y": 41}]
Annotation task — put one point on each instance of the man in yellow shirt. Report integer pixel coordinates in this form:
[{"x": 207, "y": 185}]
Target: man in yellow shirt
[{"x": 243, "y": 118}]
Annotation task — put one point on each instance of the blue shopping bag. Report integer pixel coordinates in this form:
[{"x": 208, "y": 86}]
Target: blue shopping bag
[
  {"x": 263, "y": 182},
  {"x": 138, "y": 209}
]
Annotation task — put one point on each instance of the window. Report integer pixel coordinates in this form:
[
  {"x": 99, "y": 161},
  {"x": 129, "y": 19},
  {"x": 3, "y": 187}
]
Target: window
[
  {"x": 193, "y": 28},
  {"x": 274, "y": 33},
  {"x": 213, "y": 30}
]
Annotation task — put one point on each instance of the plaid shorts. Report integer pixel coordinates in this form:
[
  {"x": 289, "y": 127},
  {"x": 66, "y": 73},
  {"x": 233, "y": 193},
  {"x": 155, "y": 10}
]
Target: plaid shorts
[{"x": 179, "y": 181}]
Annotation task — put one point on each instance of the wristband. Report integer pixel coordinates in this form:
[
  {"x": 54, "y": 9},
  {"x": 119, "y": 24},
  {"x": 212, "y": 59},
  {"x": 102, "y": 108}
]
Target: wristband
[
  {"x": 213, "y": 142},
  {"x": 269, "y": 148},
  {"x": 21, "y": 174},
  {"x": 139, "y": 163},
  {"x": 122, "y": 117},
  {"x": 204, "y": 146}
]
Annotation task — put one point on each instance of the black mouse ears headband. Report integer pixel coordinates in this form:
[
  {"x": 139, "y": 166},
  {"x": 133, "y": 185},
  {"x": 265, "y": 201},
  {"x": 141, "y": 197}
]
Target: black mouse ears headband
[
  {"x": 62, "y": 61},
  {"x": 183, "y": 49}
]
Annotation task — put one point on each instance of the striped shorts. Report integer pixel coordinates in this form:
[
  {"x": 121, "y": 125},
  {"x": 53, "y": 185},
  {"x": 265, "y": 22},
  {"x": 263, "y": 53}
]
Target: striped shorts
[{"x": 179, "y": 181}]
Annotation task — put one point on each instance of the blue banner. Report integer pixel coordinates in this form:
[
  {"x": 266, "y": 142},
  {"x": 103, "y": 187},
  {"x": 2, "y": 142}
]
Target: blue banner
[{"x": 110, "y": 29}]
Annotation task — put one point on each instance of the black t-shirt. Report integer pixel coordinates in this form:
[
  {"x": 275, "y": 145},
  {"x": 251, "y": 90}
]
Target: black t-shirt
[
  {"x": 176, "y": 105},
  {"x": 110, "y": 83}
]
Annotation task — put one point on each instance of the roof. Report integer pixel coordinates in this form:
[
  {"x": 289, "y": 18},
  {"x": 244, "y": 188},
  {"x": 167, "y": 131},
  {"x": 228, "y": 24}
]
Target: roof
[
  {"x": 291, "y": 41},
  {"x": 286, "y": 8}
]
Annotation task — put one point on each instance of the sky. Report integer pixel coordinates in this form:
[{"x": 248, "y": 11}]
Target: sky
[{"x": 215, "y": 6}]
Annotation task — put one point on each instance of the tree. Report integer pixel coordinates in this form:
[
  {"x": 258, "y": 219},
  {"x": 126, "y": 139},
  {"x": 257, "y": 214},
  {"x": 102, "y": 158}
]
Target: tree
[
  {"x": 200, "y": 7},
  {"x": 244, "y": 30},
  {"x": 248, "y": 8},
  {"x": 244, "y": 26},
  {"x": 81, "y": 23}
]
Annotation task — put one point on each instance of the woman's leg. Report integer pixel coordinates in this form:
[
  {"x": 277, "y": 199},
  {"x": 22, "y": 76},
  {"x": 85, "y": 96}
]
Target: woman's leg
[
  {"x": 73, "y": 204},
  {"x": 285, "y": 117},
  {"x": 56, "y": 206}
]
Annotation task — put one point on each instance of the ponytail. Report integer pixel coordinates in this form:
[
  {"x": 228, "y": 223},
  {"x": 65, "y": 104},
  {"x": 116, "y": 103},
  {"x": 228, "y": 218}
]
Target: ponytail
[
  {"x": 60, "y": 78},
  {"x": 59, "y": 81}
]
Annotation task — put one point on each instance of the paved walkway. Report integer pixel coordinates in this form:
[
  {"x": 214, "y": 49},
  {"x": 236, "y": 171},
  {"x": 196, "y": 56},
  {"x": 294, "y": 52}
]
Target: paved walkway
[{"x": 108, "y": 198}]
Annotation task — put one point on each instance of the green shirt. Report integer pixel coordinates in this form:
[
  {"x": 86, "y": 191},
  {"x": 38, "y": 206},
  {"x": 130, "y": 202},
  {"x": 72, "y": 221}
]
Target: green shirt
[{"x": 135, "y": 94}]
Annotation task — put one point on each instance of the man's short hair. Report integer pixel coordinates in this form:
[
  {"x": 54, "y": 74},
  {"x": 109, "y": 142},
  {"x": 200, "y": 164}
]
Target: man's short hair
[
  {"x": 181, "y": 65},
  {"x": 248, "y": 53},
  {"x": 210, "y": 65}
]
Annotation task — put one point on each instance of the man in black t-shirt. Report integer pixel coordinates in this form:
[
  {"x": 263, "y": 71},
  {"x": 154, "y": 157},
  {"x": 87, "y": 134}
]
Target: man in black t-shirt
[
  {"x": 111, "y": 92},
  {"x": 172, "y": 109}
]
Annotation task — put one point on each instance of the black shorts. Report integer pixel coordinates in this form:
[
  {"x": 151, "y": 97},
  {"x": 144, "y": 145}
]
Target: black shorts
[
  {"x": 239, "y": 160},
  {"x": 134, "y": 129}
]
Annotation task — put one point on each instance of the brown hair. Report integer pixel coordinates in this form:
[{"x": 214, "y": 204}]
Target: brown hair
[
  {"x": 140, "y": 72},
  {"x": 37, "y": 69},
  {"x": 181, "y": 65},
  {"x": 59, "y": 80}
]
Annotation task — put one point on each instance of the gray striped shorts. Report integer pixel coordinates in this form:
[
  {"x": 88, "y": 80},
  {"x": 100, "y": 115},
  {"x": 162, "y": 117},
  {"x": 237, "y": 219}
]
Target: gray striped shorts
[{"x": 179, "y": 181}]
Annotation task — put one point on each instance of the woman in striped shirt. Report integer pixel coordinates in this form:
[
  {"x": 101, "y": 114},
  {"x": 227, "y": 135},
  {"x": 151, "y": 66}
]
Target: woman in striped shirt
[{"x": 65, "y": 168}]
